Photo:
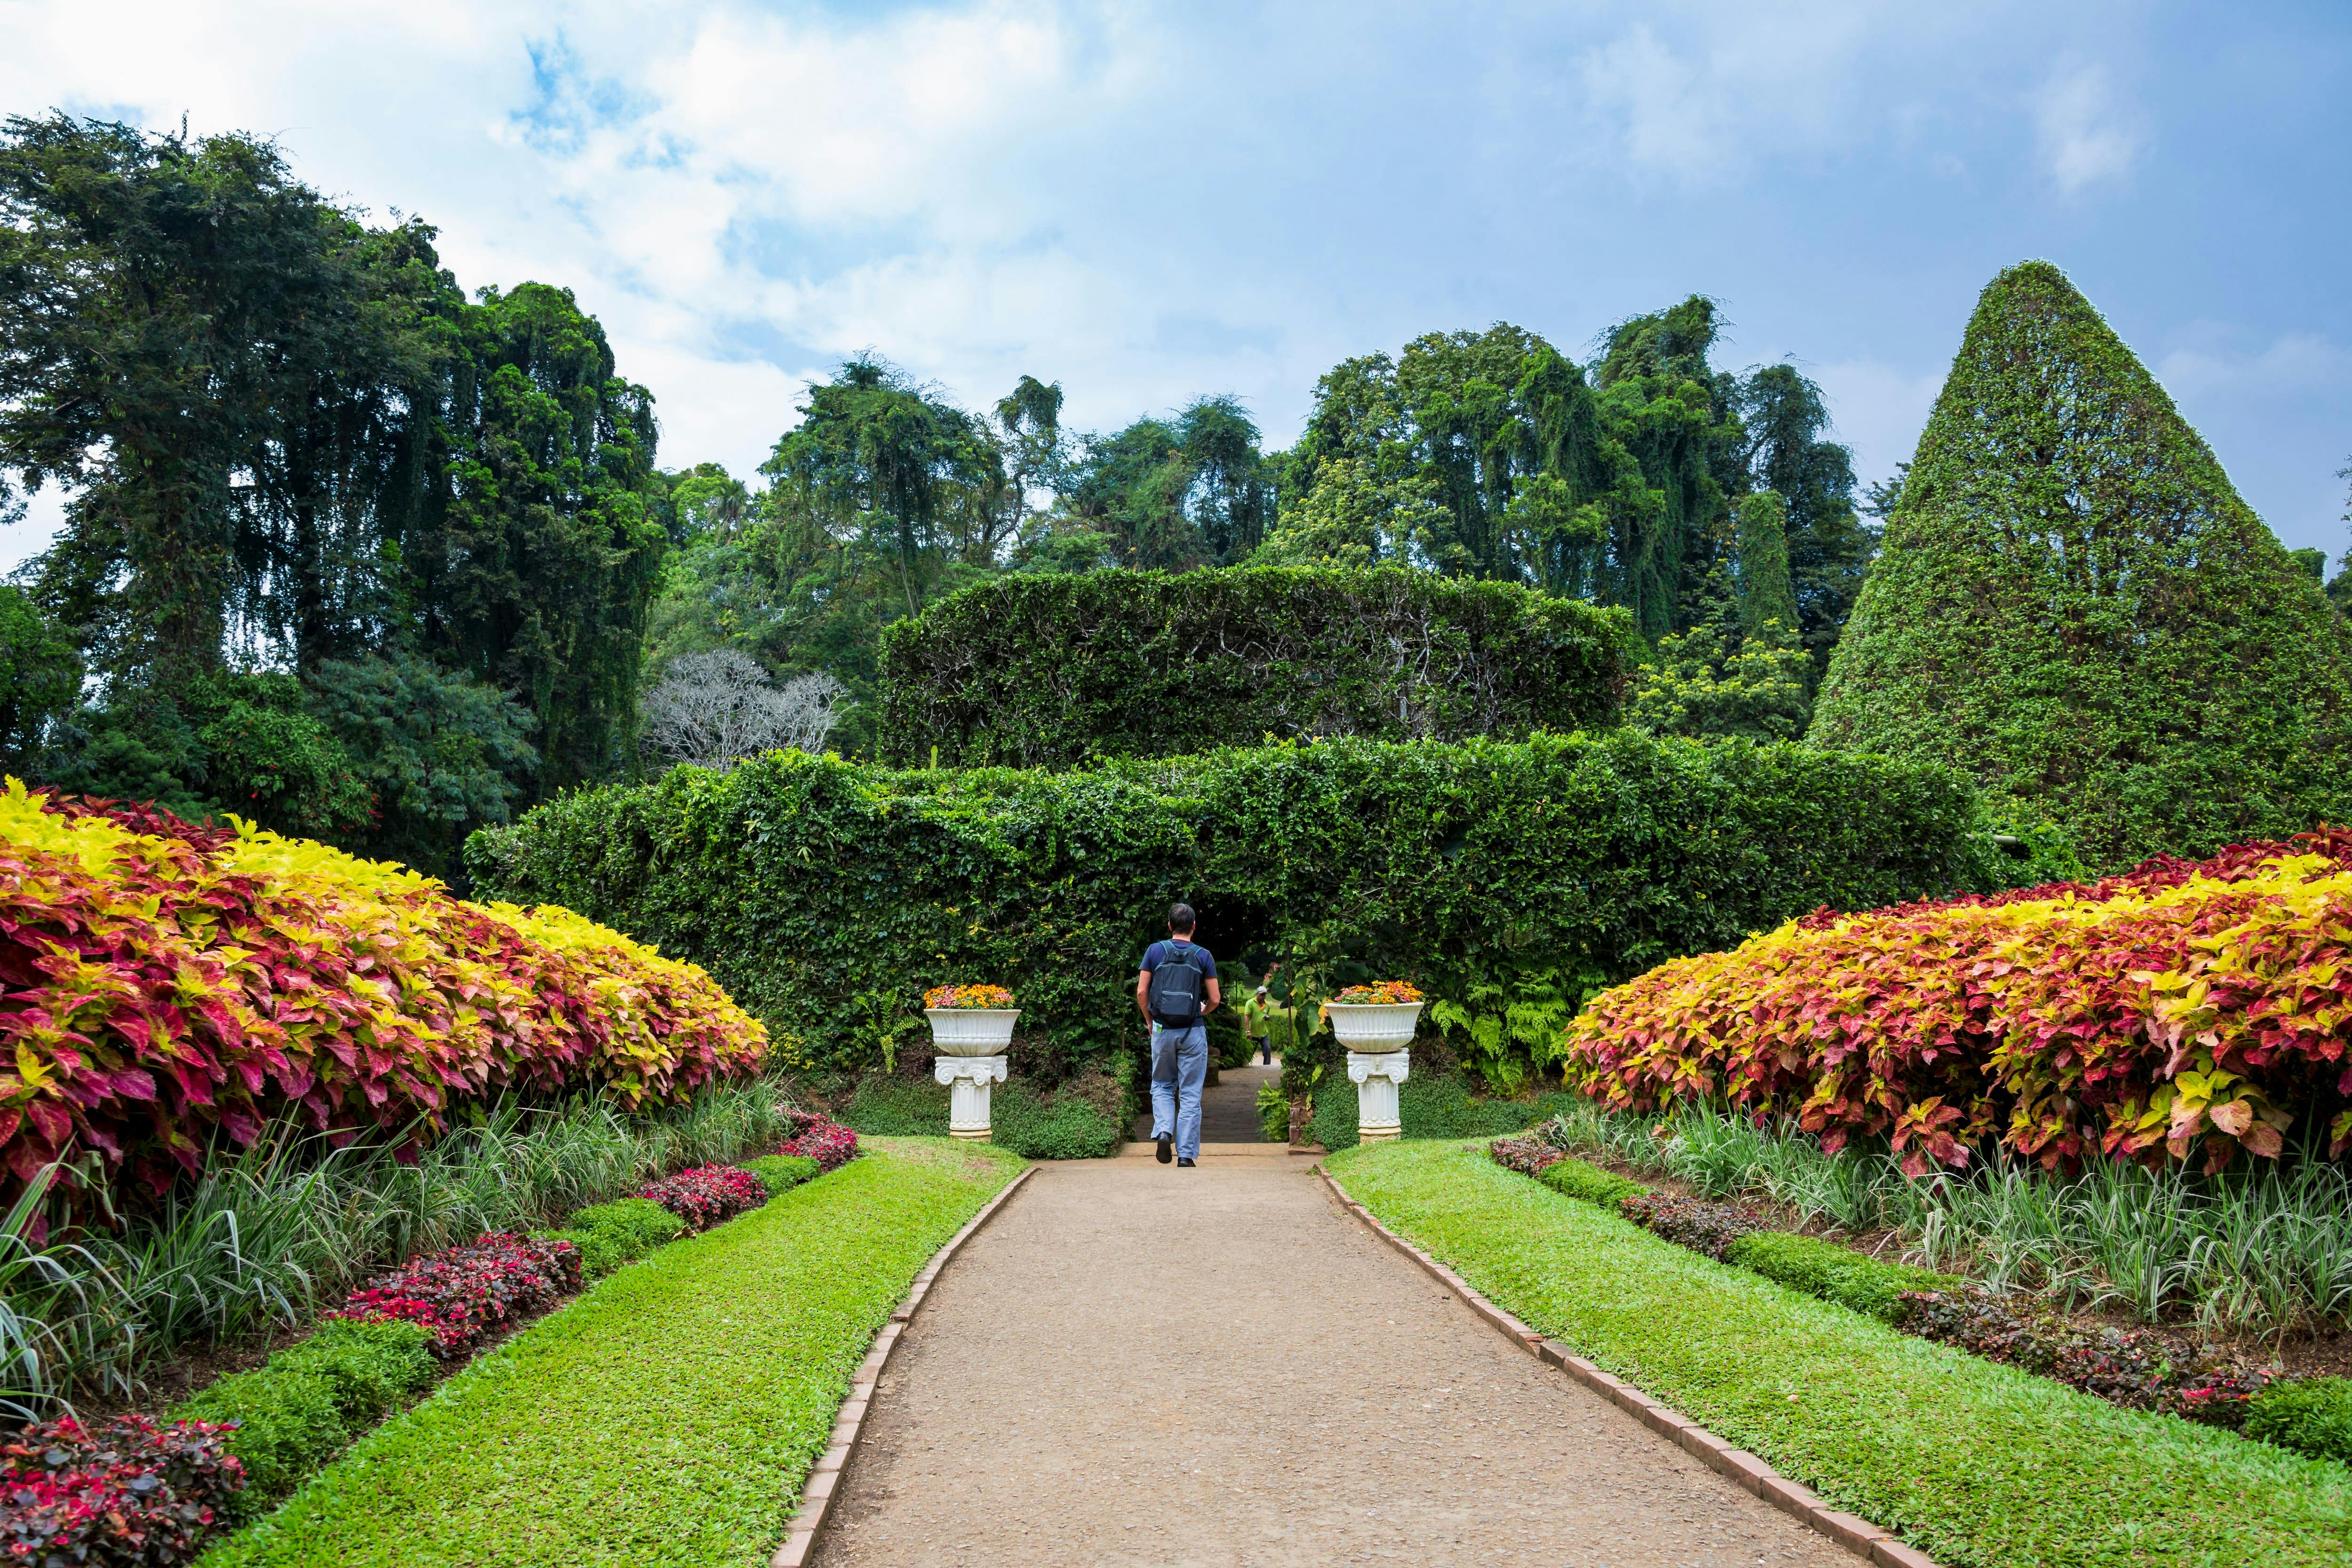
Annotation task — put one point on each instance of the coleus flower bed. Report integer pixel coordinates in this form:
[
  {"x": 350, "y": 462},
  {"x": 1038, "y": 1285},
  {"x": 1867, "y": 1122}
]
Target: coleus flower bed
[
  {"x": 819, "y": 1138},
  {"x": 462, "y": 1293},
  {"x": 163, "y": 980},
  {"x": 2184, "y": 1010},
  {"x": 130, "y": 1492},
  {"x": 707, "y": 1195}
]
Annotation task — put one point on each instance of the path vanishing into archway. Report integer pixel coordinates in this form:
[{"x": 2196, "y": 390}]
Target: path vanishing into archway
[{"x": 1135, "y": 1363}]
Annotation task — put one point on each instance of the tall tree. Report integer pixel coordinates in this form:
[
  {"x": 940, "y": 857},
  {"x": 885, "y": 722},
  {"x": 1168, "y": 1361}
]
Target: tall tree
[
  {"x": 1784, "y": 422},
  {"x": 2074, "y": 605},
  {"x": 876, "y": 454},
  {"x": 536, "y": 574}
]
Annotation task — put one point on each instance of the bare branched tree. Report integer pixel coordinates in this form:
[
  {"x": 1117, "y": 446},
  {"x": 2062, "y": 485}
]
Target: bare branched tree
[{"x": 715, "y": 709}]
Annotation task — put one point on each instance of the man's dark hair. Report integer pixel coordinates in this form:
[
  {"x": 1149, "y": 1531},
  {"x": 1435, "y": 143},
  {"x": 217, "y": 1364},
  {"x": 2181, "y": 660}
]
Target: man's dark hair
[{"x": 1179, "y": 919}]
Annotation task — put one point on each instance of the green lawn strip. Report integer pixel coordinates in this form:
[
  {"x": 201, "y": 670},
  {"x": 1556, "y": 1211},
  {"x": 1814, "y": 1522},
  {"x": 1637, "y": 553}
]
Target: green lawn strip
[
  {"x": 669, "y": 1414},
  {"x": 1979, "y": 1465}
]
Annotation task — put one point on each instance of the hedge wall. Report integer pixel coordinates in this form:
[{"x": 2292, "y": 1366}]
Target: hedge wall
[
  {"x": 1049, "y": 671},
  {"x": 1511, "y": 879}
]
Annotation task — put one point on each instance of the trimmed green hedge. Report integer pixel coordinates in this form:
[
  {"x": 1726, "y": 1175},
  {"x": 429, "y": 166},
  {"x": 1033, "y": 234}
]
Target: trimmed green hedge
[
  {"x": 297, "y": 1411},
  {"x": 1572, "y": 1178},
  {"x": 782, "y": 1172},
  {"x": 622, "y": 1231},
  {"x": 2313, "y": 1416},
  {"x": 825, "y": 895},
  {"x": 668, "y": 1415},
  {"x": 1049, "y": 671},
  {"x": 1978, "y": 1464},
  {"x": 1834, "y": 1273}
]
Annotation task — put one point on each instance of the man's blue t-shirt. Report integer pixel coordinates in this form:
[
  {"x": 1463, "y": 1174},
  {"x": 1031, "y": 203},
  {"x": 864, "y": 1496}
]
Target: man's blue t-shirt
[
  {"x": 1157, "y": 953},
  {"x": 1153, "y": 955}
]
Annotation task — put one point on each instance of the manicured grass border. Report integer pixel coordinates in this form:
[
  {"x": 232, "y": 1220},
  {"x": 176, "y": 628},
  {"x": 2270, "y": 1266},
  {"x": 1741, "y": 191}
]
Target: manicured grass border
[
  {"x": 1980, "y": 1465},
  {"x": 669, "y": 1414}
]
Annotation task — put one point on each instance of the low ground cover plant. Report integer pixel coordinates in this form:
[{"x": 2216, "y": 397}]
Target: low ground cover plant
[
  {"x": 588, "y": 1439},
  {"x": 1978, "y": 1464},
  {"x": 708, "y": 1195},
  {"x": 1698, "y": 1223},
  {"x": 128, "y": 1492},
  {"x": 2178, "y": 1011},
  {"x": 2140, "y": 1369},
  {"x": 279, "y": 1422},
  {"x": 168, "y": 981}
]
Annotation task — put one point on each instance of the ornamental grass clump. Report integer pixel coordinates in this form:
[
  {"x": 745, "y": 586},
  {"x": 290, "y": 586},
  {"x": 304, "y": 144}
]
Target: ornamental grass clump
[
  {"x": 708, "y": 1194},
  {"x": 165, "y": 982},
  {"x": 462, "y": 1293},
  {"x": 2182, "y": 1010},
  {"x": 130, "y": 1492}
]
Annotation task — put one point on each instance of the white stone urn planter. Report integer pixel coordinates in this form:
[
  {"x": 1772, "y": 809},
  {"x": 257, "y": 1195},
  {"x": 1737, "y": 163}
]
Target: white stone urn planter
[
  {"x": 971, "y": 1032},
  {"x": 968, "y": 1056},
  {"x": 1379, "y": 1037}
]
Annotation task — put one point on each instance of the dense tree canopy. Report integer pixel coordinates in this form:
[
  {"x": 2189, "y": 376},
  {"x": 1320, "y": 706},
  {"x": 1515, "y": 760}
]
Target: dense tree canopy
[
  {"x": 2074, "y": 605},
  {"x": 1492, "y": 455},
  {"x": 306, "y": 477}
]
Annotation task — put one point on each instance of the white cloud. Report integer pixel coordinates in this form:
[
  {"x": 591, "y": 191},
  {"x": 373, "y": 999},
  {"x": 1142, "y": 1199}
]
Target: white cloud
[
  {"x": 2290, "y": 363},
  {"x": 2085, "y": 136}
]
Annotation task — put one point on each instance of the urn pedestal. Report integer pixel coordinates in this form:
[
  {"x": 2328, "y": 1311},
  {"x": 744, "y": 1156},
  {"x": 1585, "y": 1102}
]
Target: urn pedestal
[
  {"x": 1378, "y": 1039},
  {"x": 970, "y": 1079}
]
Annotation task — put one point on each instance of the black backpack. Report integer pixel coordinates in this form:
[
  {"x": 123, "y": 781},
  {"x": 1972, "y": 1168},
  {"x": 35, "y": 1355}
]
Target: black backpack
[{"x": 1177, "y": 986}]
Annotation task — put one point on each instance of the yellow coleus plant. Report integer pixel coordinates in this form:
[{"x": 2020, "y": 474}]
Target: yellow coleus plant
[
  {"x": 2174, "y": 1011},
  {"x": 164, "y": 979}
]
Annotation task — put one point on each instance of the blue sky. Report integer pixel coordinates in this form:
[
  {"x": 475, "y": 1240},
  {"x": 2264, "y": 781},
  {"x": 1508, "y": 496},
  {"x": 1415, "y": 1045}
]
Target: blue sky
[{"x": 1148, "y": 201}]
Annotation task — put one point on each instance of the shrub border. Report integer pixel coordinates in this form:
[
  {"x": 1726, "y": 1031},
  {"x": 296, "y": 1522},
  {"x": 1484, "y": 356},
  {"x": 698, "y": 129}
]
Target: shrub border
[
  {"x": 823, "y": 1480},
  {"x": 1749, "y": 1473}
]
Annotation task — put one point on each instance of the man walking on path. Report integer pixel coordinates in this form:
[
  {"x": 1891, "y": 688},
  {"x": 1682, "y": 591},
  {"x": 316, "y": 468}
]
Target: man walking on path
[{"x": 1176, "y": 990}]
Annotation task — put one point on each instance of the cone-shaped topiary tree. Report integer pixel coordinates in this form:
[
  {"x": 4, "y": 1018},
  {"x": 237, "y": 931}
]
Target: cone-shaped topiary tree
[{"x": 2074, "y": 605}]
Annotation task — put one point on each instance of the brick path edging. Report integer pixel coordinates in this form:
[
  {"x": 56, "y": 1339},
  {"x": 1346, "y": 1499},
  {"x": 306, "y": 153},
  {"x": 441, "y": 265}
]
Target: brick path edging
[
  {"x": 824, "y": 1476},
  {"x": 1853, "y": 1532}
]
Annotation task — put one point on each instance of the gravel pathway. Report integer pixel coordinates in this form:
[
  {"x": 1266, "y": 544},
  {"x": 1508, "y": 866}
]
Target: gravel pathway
[{"x": 1138, "y": 1365}]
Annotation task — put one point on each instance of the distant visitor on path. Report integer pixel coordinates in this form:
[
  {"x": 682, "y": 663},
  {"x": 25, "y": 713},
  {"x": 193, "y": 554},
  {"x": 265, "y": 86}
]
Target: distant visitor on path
[{"x": 1176, "y": 990}]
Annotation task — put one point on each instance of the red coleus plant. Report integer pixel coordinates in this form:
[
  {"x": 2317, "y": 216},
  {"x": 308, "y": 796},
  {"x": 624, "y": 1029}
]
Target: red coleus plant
[
  {"x": 131, "y": 1492},
  {"x": 159, "y": 980},
  {"x": 461, "y": 1293},
  {"x": 2181, "y": 1010},
  {"x": 827, "y": 1142},
  {"x": 708, "y": 1195}
]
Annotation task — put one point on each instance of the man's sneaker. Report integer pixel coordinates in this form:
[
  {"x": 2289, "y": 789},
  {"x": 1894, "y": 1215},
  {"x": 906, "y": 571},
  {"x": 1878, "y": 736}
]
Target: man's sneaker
[
  {"x": 1165, "y": 1140},
  {"x": 1181, "y": 1164}
]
